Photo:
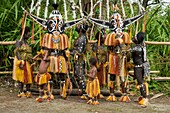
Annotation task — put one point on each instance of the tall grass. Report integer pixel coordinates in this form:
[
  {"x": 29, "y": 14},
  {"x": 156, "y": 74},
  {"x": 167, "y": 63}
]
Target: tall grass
[{"x": 158, "y": 29}]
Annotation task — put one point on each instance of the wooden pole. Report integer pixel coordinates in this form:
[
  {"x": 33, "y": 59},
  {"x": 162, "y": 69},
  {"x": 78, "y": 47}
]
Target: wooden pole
[
  {"x": 7, "y": 43},
  {"x": 147, "y": 42},
  {"x": 157, "y": 43},
  {"x": 10, "y": 72},
  {"x": 152, "y": 72},
  {"x": 161, "y": 78}
]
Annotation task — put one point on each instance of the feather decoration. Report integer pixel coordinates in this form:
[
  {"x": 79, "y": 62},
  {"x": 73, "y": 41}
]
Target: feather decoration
[
  {"x": 108, "y": 9},
  {"x": 100, "y": 14},
  {"x": 39, "y": 7},
  {"x": 46, "y": 9},
  {"x": 73, "y": 8},
  {"x": 123, "y": 10},
  {"x": 32, "y": 3},
  {"x": 92, "y": 7},
  {"x": 131, "y": 7},
  {"x": 65, "y": 11},
  {"x": 41, "y": 21},
  {"x": 81, "y": 12}
]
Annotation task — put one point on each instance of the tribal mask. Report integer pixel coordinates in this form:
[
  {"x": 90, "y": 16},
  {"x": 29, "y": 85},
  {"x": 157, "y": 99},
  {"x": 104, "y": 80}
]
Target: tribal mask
[
  {"x": 116, "y": 24},
  {"x": 55, "y": 22}
]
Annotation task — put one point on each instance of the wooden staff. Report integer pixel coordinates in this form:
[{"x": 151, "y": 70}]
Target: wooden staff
[{"x": 23, "y": 23}]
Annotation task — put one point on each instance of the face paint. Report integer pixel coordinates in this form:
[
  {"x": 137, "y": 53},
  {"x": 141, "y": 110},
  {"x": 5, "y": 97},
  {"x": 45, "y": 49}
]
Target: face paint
[{"x": 116, "y": 22}]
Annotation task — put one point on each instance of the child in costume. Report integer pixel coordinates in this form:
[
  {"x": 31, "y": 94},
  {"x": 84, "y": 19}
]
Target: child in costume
[
  {"x": 44, "y": 91},
  {"x": 93, "y": 86},
  {"x": 22, "y": 70}
]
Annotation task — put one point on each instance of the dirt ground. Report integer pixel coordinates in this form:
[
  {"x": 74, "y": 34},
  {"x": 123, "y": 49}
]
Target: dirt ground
[{"x": 10, "y": 103}]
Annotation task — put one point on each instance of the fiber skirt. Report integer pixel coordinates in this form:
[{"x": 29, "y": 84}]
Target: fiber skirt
[
  {"x": 93, "y": 88},
  {"x": 24, "y": 75},
  {"x": 58, "y": 64},
  {"x": 42, "y": 78}
]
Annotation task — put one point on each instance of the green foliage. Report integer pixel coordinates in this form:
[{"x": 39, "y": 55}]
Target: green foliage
[
  {"x": 158, "y": 27},
  {"x": 159, "y": 87}
]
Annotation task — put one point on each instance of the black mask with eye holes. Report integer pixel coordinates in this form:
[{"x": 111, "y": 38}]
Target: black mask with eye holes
[
  {"x": 135, "y": 40},
  {"x": 55, "y": 25},
  {"x": 51, "y": 25},
  {"x": 139, "y": 38}
]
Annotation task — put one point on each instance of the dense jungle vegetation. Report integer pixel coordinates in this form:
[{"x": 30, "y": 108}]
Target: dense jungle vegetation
[{"x": 157, "y": 29}]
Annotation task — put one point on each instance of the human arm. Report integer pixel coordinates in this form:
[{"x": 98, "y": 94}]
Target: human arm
[{"x": 92, "y": 73}]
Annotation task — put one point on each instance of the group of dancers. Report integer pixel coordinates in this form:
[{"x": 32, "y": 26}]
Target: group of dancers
[{"x": 110, "y": 54}]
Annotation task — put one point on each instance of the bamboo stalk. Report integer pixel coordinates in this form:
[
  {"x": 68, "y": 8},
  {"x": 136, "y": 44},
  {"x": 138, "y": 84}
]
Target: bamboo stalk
[
  {"x": 157, "y": 43},
  {"x": 10, "y": 72},
  {"x": 7, "y": 43},
  {"x": 147, "y": 42},
  {"x": 152, "y": 72},
  {"x": 161, "y": 78}
]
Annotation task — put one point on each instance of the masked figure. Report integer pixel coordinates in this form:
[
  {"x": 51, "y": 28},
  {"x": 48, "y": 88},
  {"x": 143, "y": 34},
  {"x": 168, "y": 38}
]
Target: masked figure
[
  {"x": 116, "y": 41},
  {"x": 141, "y": 65},
  {"x": 55, "y": 44},
  {"x": 79, "y": 52}
]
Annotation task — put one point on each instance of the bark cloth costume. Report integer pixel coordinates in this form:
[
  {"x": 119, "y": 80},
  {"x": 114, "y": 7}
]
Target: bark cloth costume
[
  {"x": 93, "y": 86},
  {"x": 142, "y": 67},
  {"x": 79, "y": 52},
  {"x": 116, "y": 41},
  {"x": 22, "y": 70},
  {"x": 55, "y": 45}
]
